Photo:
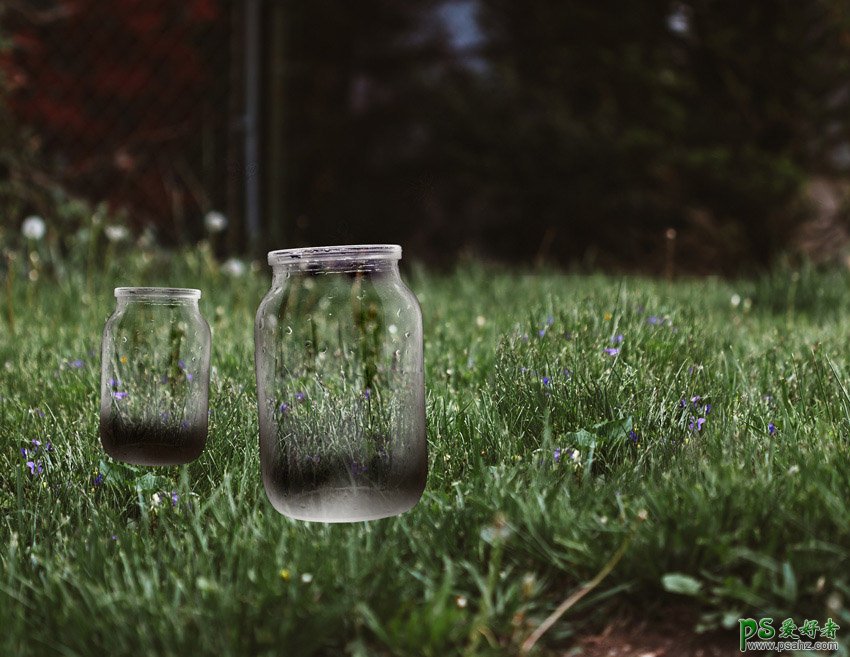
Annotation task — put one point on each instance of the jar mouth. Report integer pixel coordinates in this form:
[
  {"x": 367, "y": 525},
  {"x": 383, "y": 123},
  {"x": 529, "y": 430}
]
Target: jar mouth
[
  {"x": 157, "y": 293},
  {"x": 345, "y": 252}
]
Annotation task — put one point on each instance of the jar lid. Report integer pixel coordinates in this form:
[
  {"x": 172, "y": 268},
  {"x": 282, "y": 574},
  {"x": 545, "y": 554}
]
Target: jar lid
[
  {"x": 158, "y": 292},
  {"x": 345, "y": 252}
]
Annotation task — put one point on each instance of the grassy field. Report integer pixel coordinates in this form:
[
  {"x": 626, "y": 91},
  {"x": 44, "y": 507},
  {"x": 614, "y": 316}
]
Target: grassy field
[{"x": 707, "y": 447}]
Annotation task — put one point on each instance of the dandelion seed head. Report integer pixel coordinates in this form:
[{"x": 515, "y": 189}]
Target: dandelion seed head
[
  {"x": 116, "y": 233},
  {"x": 233, "y": 267},
  {"x": 215, "y": 221},
  {"x": 33, "y": 228}
]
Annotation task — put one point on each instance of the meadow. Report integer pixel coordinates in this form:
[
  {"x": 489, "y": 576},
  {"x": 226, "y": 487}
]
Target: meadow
[{"x": 692, "y": 438}]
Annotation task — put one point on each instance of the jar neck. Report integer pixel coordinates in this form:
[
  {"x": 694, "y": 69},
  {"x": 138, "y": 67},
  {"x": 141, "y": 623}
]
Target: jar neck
[{"x": 373, "y": 267}]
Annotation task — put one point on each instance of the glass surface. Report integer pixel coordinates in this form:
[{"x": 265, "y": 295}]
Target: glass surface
[
  {"x": 155, "y": 377},
  {"x": 340, "y": 385}
]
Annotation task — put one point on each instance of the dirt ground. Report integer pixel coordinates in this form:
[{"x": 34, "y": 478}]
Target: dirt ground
[{"x": 671, "y": 636}]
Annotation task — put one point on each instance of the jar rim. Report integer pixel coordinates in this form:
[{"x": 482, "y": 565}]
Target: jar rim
[
  {"x": 157, "y": 292},
  {"x": 342, "y": 252}
]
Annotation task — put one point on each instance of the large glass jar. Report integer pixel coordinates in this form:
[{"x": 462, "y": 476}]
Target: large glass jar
[
  {"x": 155, "y": 373},
  {"x": 340, "y": 385}
]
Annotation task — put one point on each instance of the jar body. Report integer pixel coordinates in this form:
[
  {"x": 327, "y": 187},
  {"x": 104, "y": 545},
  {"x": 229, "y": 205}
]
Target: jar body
[
  {"x": 155, "y": 377},
  {"x": 340, "y": 389}
]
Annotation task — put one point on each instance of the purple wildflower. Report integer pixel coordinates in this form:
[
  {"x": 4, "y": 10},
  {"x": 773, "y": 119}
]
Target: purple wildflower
[
  {"x": 568, "y": 374},
  {"x": 707, "y": 409},
  {"x": 98, "y": 480},
  {"x": 367, "y": 393},
  {"x": 114, "y": 383},
  {"x": 695, "y": 400},
  {"x": 682, "y": 403},
  {"x": 77, "y": 364},
  {"x": 181, "y": 364},
  {"x": 36, "y": 443},
  {"x": 541, "y": 332},
  {"x": 39, "y": 412},
  {"x": 633, "y": 436},
  {"x": 611, "y": 351},
  {"x": 35, "y": 468},
  {"x": 120, "y": 395},
  {"x": 550, "y": 320},
  {"x": 189, "y": 376},
  {"x": 546, "y": 380},
  {"x": 283, "y": 408},
  {"x": 654, "y": 320},
  {"x": 696, "y": 424},
  {"x": 24, "y": 452},
  {"x": 556, "y": 455},
  {"x": 771, "y": 428},
  {"x": 300, "y": 396},
  {"x": 174, "y": 498},
  {"x": 617, "y": 339},
  {"x": 115, "y": 537}
]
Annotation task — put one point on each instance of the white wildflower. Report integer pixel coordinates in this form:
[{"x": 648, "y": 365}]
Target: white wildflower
[
  {"x": 215, "y": 221},
  {"x": 233, "y": 267},
  {"x": 735, "y": 300},
  {"x": 33, "y": 228},
  {"x": 116, "y": 233},
  {"x": 307, "y": 578}
]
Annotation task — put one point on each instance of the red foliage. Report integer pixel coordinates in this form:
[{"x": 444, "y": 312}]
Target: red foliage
[{"x": 113, "y": 81}]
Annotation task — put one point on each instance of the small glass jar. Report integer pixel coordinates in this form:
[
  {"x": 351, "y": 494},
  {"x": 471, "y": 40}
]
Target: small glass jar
[
  {"x": 155, "y": 373},
  {"x": 340, "y": 385}
]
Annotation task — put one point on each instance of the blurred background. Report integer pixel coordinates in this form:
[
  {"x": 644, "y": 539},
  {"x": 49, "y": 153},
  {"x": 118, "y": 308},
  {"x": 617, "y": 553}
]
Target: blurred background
[{"x": 649, "y": 136}]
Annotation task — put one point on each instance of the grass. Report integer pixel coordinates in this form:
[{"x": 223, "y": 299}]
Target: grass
[{"x": 728, "y": 521}]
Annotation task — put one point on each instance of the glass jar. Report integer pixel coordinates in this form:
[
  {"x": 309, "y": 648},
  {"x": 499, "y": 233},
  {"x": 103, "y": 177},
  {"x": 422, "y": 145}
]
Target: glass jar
[
  {"x": 340, "y": 385},
  {"x": 155, "y": 373}
]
